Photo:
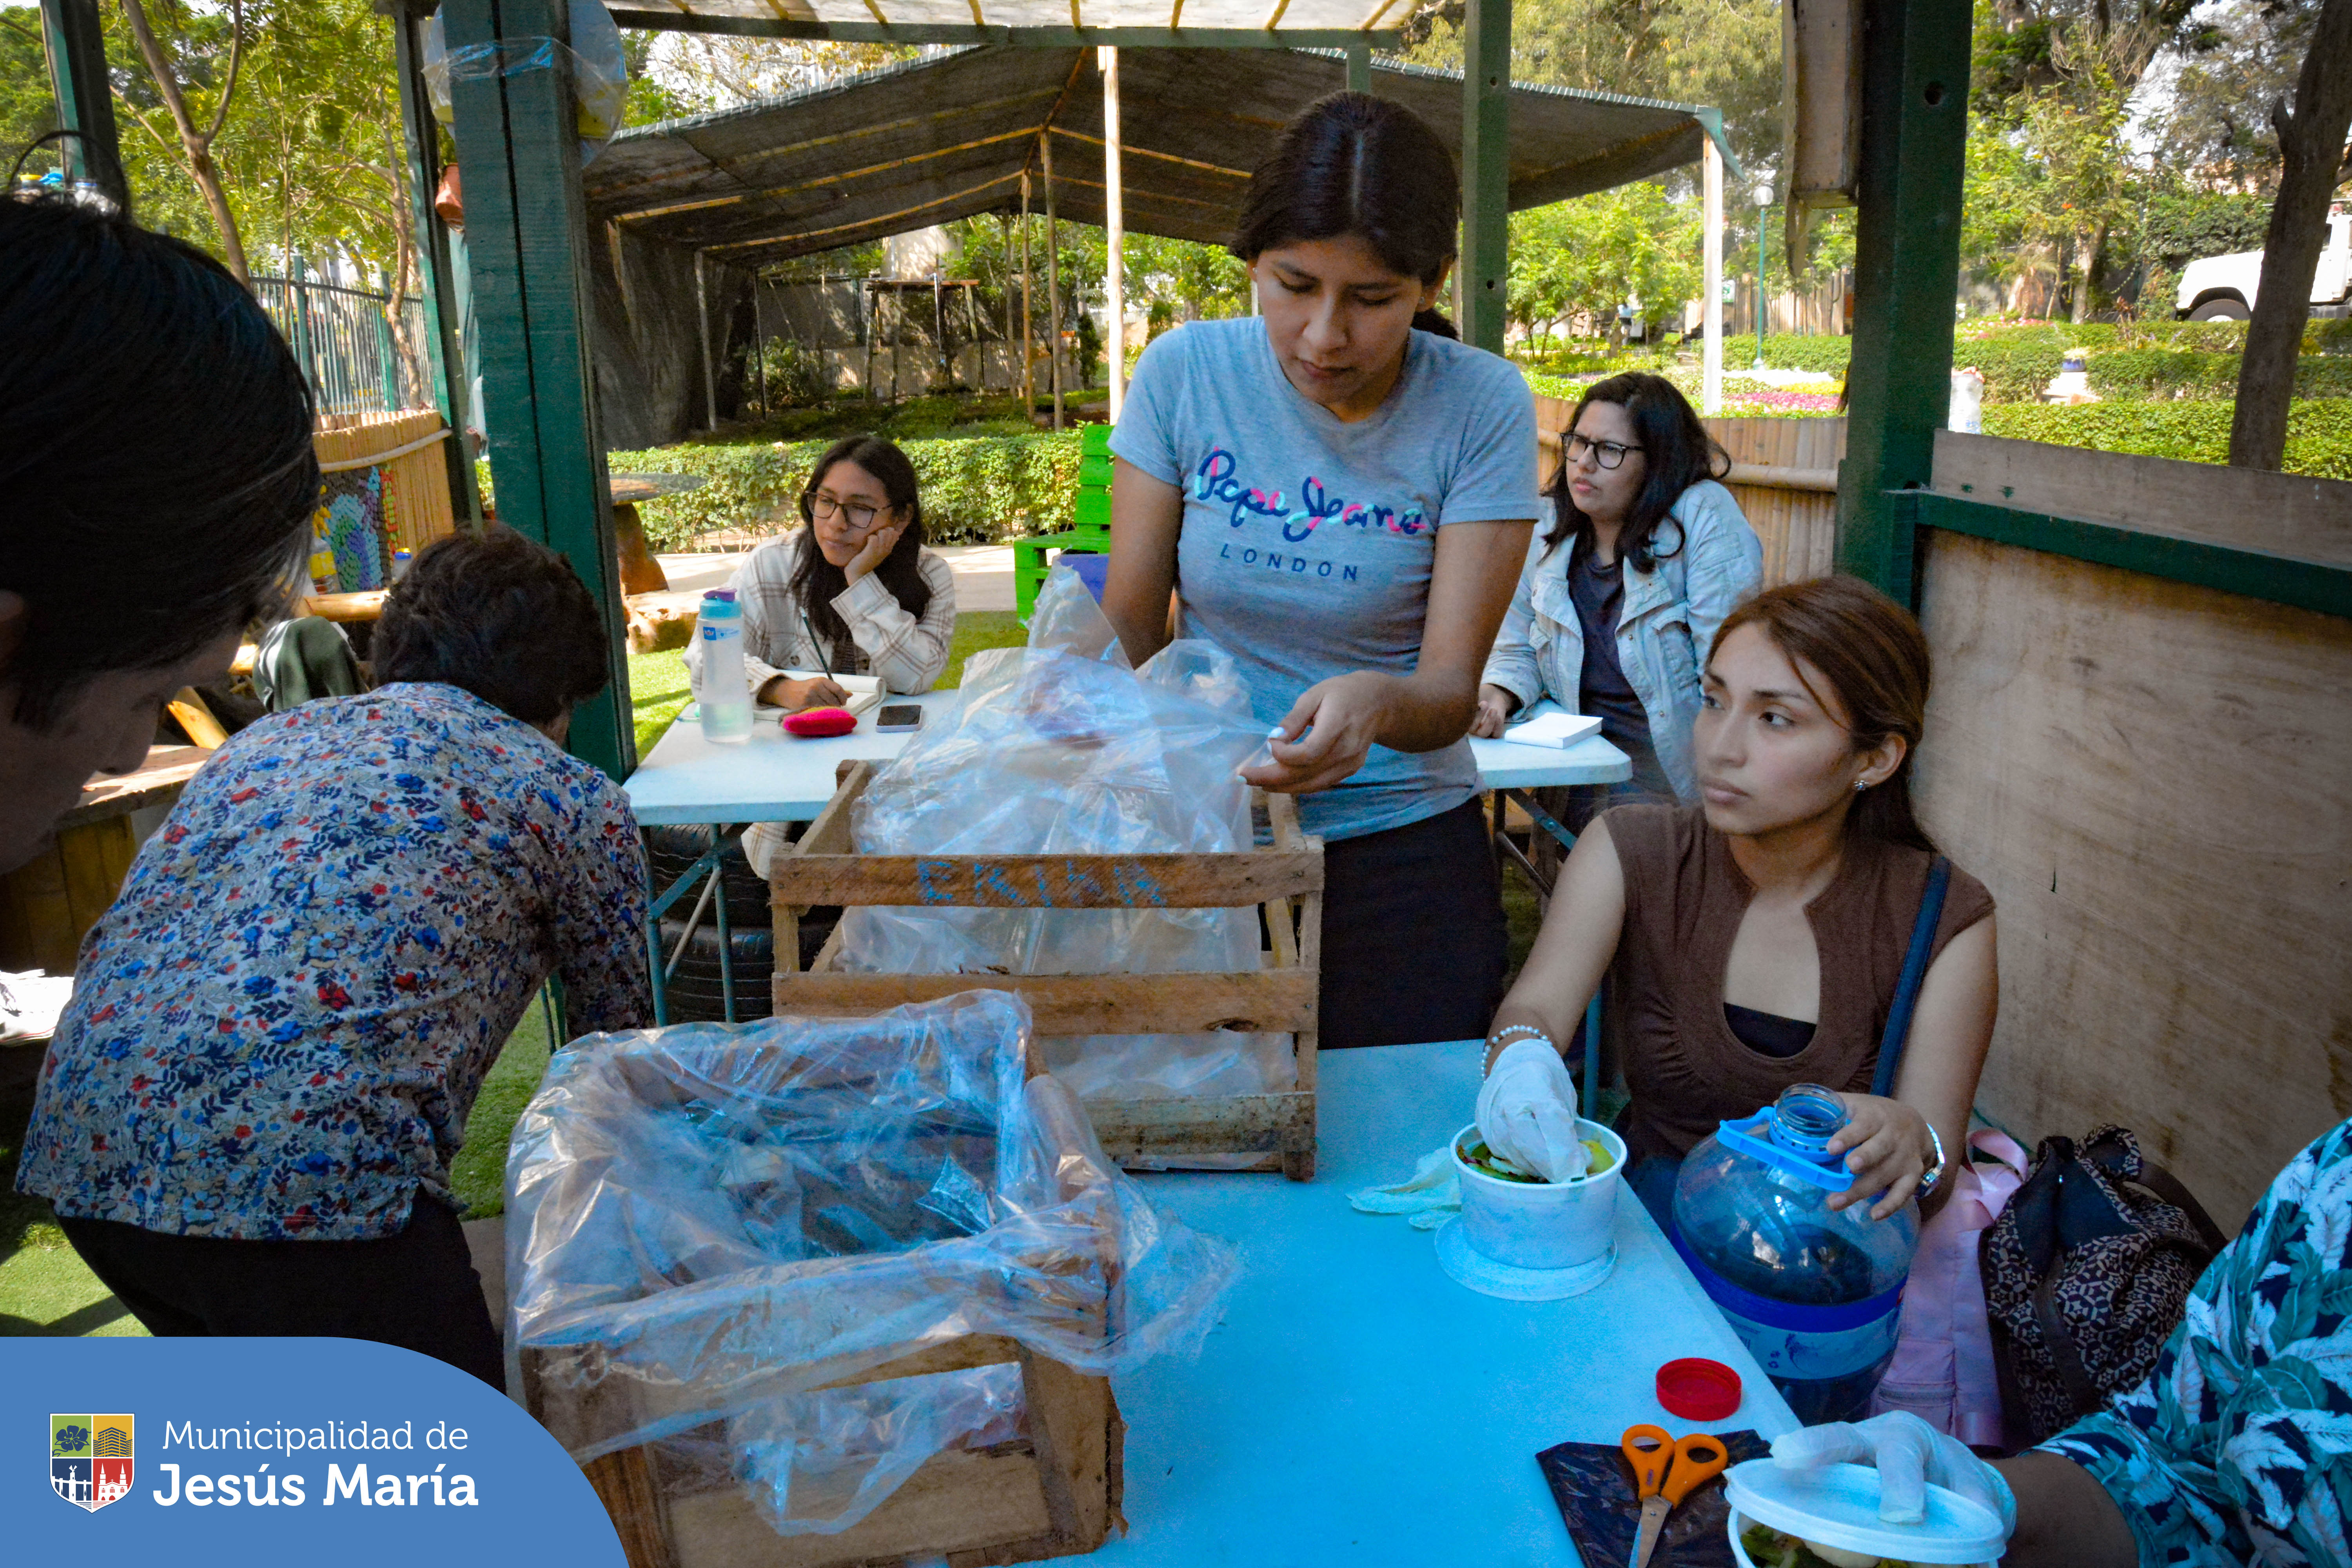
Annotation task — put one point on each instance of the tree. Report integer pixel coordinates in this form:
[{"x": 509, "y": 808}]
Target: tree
[
  {"x": 2313, "y": 161},
  {"x": 28, "y": 110},
  {"x": 2214, "y": 125},
  {"x": 1632, "y": 243},
  {"x": 193, "y": 63}
]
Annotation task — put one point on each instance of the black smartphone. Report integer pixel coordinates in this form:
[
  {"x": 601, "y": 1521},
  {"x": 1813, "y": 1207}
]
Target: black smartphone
[{"x": 899, "y": 715}]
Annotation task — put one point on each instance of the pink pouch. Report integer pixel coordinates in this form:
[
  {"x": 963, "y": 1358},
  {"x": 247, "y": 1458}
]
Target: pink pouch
[{"x": 1943, "y": 1367}]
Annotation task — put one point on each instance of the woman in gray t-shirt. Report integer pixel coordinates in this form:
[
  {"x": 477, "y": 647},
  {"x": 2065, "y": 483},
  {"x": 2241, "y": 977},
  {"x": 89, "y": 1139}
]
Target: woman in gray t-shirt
[{"x": 1343, "y": 504}]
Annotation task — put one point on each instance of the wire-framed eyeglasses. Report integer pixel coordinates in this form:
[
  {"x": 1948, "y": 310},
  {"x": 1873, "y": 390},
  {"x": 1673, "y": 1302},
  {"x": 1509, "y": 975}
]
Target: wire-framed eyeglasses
[
  {"x": 1608, "y": 454},
  {"x": 861, "y": 516}
]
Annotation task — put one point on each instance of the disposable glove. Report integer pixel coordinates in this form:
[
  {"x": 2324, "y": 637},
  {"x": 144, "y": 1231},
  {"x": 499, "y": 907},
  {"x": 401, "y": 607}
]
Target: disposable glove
[
  {"x": 1908, "y": 1454},
  {"x": 1527, "y": 1112},
  {"x": 1432, "y": 1195}
]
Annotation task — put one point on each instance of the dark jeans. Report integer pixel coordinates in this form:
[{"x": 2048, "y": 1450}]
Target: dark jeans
[
  {"x": 416, "y": 1288},
  {"x": 1415, "y": 947}
]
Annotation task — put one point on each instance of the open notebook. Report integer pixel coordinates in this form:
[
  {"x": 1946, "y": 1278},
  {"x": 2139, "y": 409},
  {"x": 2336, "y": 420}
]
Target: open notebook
[{"x": 864, "y": 692}]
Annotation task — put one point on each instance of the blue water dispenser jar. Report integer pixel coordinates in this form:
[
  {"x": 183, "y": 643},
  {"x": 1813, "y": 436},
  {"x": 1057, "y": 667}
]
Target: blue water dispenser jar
[{"x": 1816, "y": 1293}]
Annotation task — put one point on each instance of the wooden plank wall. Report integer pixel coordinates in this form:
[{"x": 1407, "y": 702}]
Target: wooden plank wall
[
  {"x": 48, "y": 904},
  {"x": 1797, "y": 525},
  {"x": 415, "y": 486},
  {"x": 2149, "y": 777}
]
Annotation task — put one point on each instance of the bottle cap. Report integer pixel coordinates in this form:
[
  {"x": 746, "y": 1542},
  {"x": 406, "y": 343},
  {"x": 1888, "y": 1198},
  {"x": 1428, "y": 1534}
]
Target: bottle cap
[
  {"x": 1838, "y": 1506},
  {"x": 1697, "y": 1389}
]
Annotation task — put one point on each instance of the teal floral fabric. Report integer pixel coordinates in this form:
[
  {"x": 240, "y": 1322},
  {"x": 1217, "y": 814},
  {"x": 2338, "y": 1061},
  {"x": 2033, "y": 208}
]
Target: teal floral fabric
[{"x": 2234, "y": 1450}]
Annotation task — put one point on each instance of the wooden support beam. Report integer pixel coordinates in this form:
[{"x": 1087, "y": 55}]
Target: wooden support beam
[
  {"x": 1052, "y": 277},
  {"x": 1028, "y": 337},
  {"x": 1115, "y": 231},
  {"x": 76, "y": 50},
  {"x": 526, "y": 234},
  {"x": 1079, "y": 34},
  {"x": 445, "y": 353},
  {"x": 1914, "y": 96},
  {"x": 1485, "y": 169},
  {"x": 1711, "y": 289}
]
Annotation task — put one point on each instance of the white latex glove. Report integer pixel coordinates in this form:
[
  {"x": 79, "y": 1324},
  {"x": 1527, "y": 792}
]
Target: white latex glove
[
  {"x": 1527, "y": 1112},
  {"x": 1908, "y": 1454},
  {"x": 1432, "y": 1195}
]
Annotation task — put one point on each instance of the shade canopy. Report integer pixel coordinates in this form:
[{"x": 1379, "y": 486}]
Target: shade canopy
[{"x": 953, "y": 136}]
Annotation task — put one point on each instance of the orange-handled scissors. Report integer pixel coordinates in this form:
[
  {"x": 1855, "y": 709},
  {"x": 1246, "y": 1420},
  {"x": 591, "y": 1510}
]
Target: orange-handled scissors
[{"x": 1665, "y": 1471}]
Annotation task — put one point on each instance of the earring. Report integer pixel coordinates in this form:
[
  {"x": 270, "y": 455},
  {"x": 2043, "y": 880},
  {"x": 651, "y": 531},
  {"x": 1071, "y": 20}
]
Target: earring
[{"x": 1861, "y": 785}]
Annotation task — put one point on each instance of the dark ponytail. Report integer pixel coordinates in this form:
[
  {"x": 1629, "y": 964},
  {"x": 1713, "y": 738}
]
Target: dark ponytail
[
  {"x": 816, "y": 582},
  {"x": 1355, "y": 164}
]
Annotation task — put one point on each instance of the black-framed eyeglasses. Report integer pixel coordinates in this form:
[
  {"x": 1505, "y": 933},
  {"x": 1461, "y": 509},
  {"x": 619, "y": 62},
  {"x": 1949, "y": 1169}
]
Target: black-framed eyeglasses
[
  {"x": 861, "y": 516},
  {"x": 1608, "y": 454}
]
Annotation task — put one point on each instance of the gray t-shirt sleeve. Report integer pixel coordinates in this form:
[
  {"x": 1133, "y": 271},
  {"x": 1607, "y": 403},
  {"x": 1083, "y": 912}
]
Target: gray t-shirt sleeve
[
  {"x": 1146, "y": 433},
  {"x": 1495, "y": 480}
]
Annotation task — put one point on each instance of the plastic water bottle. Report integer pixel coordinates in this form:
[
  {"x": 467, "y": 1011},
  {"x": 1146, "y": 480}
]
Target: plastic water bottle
[
  {"x": 1815, "y": 1293},
  {"x": 726, "y": 699}
]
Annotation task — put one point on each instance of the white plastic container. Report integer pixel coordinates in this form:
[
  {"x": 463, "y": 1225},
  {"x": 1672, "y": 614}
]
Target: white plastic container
[
  {"x": 1550, "y": 1225},
  {"x": 725, "y": 700},
  {"x": 1838, "y": 1506}
]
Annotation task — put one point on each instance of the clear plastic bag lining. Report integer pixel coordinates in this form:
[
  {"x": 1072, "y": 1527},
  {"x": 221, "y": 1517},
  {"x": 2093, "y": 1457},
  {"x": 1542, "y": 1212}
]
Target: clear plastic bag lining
[
  {"x": 708, "y": 1222},
  {"x": 600, "y": 71},
  {"x": 1060, "y": 746}
]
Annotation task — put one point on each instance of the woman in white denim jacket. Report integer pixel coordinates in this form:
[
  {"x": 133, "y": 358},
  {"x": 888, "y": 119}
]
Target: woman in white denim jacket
[{"x": 1658, "y": 552}]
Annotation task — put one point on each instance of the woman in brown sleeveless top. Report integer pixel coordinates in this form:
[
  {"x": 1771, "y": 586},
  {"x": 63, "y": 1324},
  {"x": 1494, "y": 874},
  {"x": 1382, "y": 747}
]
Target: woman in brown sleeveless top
[{"x": 1753, "y": 942}]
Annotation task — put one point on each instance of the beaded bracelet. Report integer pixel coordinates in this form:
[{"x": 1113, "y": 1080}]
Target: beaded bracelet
[{"x": 1504, "y": 1034}]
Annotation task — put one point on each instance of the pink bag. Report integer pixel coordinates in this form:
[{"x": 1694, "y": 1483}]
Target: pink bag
[{"x": 1943, "y": 1367}]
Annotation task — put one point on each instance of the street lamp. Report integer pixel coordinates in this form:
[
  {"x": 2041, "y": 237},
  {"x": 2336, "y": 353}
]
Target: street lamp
[{"x": 1763, "y": 206}]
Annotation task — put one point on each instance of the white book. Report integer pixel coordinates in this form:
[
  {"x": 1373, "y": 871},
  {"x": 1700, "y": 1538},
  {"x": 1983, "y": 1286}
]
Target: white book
[{"x": 1553, "y": 728}]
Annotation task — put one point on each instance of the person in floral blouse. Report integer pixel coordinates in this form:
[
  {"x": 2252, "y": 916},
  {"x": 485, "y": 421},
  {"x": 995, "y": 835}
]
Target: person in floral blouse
[
  {"x": 247, "y": 1116},
  {"x": 2237, "y": 1449}
]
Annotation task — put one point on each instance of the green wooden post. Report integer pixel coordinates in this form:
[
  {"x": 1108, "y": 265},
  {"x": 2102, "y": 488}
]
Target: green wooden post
[
  {"x": 76, "y": 51},
  {"x": 387, "y": 362},
  {"x": 1486, "y": 168},
  {"x": 526, "y": 234},
  {"x": 1914, "y": 91},
  {"x": 442, "y": 349},
  {"x": 1359, "y": 68}
]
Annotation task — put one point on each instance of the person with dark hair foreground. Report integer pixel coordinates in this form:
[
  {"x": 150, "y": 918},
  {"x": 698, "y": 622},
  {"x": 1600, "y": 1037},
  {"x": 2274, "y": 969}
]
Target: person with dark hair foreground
[
  {"x": 246, "y": 1119},
  {"x": 156, "y": 487},
  {"x": 1646, "y": 556},
  {"x": 1753, "y": 942},
  {"x": 1343, "y": 503}
]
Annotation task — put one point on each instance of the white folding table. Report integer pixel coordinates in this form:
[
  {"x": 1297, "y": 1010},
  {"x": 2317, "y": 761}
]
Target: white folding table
[{"x": 1355, "y": 1405}]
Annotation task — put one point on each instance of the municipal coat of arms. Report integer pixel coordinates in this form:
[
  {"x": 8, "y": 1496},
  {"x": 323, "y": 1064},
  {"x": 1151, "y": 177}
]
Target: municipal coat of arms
[{"x": 89, "y": 1460}]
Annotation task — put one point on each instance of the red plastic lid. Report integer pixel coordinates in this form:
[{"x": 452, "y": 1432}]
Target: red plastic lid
[
  {"x": 818, "y": 722},
  {"x": 1698, "y": 1389}
]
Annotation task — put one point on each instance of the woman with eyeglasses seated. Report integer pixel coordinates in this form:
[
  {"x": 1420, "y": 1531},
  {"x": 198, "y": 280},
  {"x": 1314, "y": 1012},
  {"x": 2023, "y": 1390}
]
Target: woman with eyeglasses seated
[
  {"x": 1622, "y": 595},
  {"x": 851, "y": 592}
]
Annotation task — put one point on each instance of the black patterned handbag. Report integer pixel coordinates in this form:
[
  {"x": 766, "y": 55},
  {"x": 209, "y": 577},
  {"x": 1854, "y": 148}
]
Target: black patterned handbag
[{"x": 2086, "y": 1273}]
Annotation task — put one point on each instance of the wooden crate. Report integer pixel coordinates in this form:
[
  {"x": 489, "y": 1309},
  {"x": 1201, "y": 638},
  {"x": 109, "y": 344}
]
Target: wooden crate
[
  {"x": 1274, "y": 1131},
  {"x": 1054, "y": 1490}
]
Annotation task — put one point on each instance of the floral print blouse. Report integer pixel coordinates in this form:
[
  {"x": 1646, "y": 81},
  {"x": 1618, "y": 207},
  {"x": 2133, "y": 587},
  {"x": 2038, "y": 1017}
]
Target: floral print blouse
[
  {"x": 2235, "y": 1449},
  {"x": 278, "y": 1030}
]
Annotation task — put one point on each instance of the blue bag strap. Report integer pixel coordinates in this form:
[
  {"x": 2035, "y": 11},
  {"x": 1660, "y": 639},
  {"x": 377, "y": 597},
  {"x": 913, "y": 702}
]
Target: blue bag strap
[{"x": 1915, "y": 972}]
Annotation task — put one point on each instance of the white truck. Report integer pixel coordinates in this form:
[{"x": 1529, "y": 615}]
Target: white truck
[{"x": 2223, "y": 287}]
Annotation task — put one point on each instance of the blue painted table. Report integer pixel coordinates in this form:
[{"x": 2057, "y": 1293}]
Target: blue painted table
[{"x": 1356, "y": 1406}]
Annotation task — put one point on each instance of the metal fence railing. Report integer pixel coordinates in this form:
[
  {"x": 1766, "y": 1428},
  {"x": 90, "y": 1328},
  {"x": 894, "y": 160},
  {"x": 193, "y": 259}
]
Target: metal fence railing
[{"x": 346, "y": 345}]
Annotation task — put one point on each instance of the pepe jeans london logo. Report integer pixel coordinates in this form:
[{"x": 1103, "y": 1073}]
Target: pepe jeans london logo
[{"x": 89, "y": 1460}]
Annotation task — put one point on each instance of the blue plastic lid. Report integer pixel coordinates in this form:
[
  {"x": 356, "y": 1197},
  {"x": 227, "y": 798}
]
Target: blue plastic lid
[{"x": 721, "y": 602}]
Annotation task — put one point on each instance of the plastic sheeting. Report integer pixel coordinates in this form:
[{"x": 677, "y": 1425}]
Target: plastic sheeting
[
  {"x": 707, "y": 1223},
  {"x": 1062, "y": 746}
]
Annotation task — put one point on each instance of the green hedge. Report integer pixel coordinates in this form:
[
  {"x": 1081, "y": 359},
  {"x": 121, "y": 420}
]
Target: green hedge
[
  {"x": 2318, "y": 430},
  {"x": 976, "y": 490}
]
